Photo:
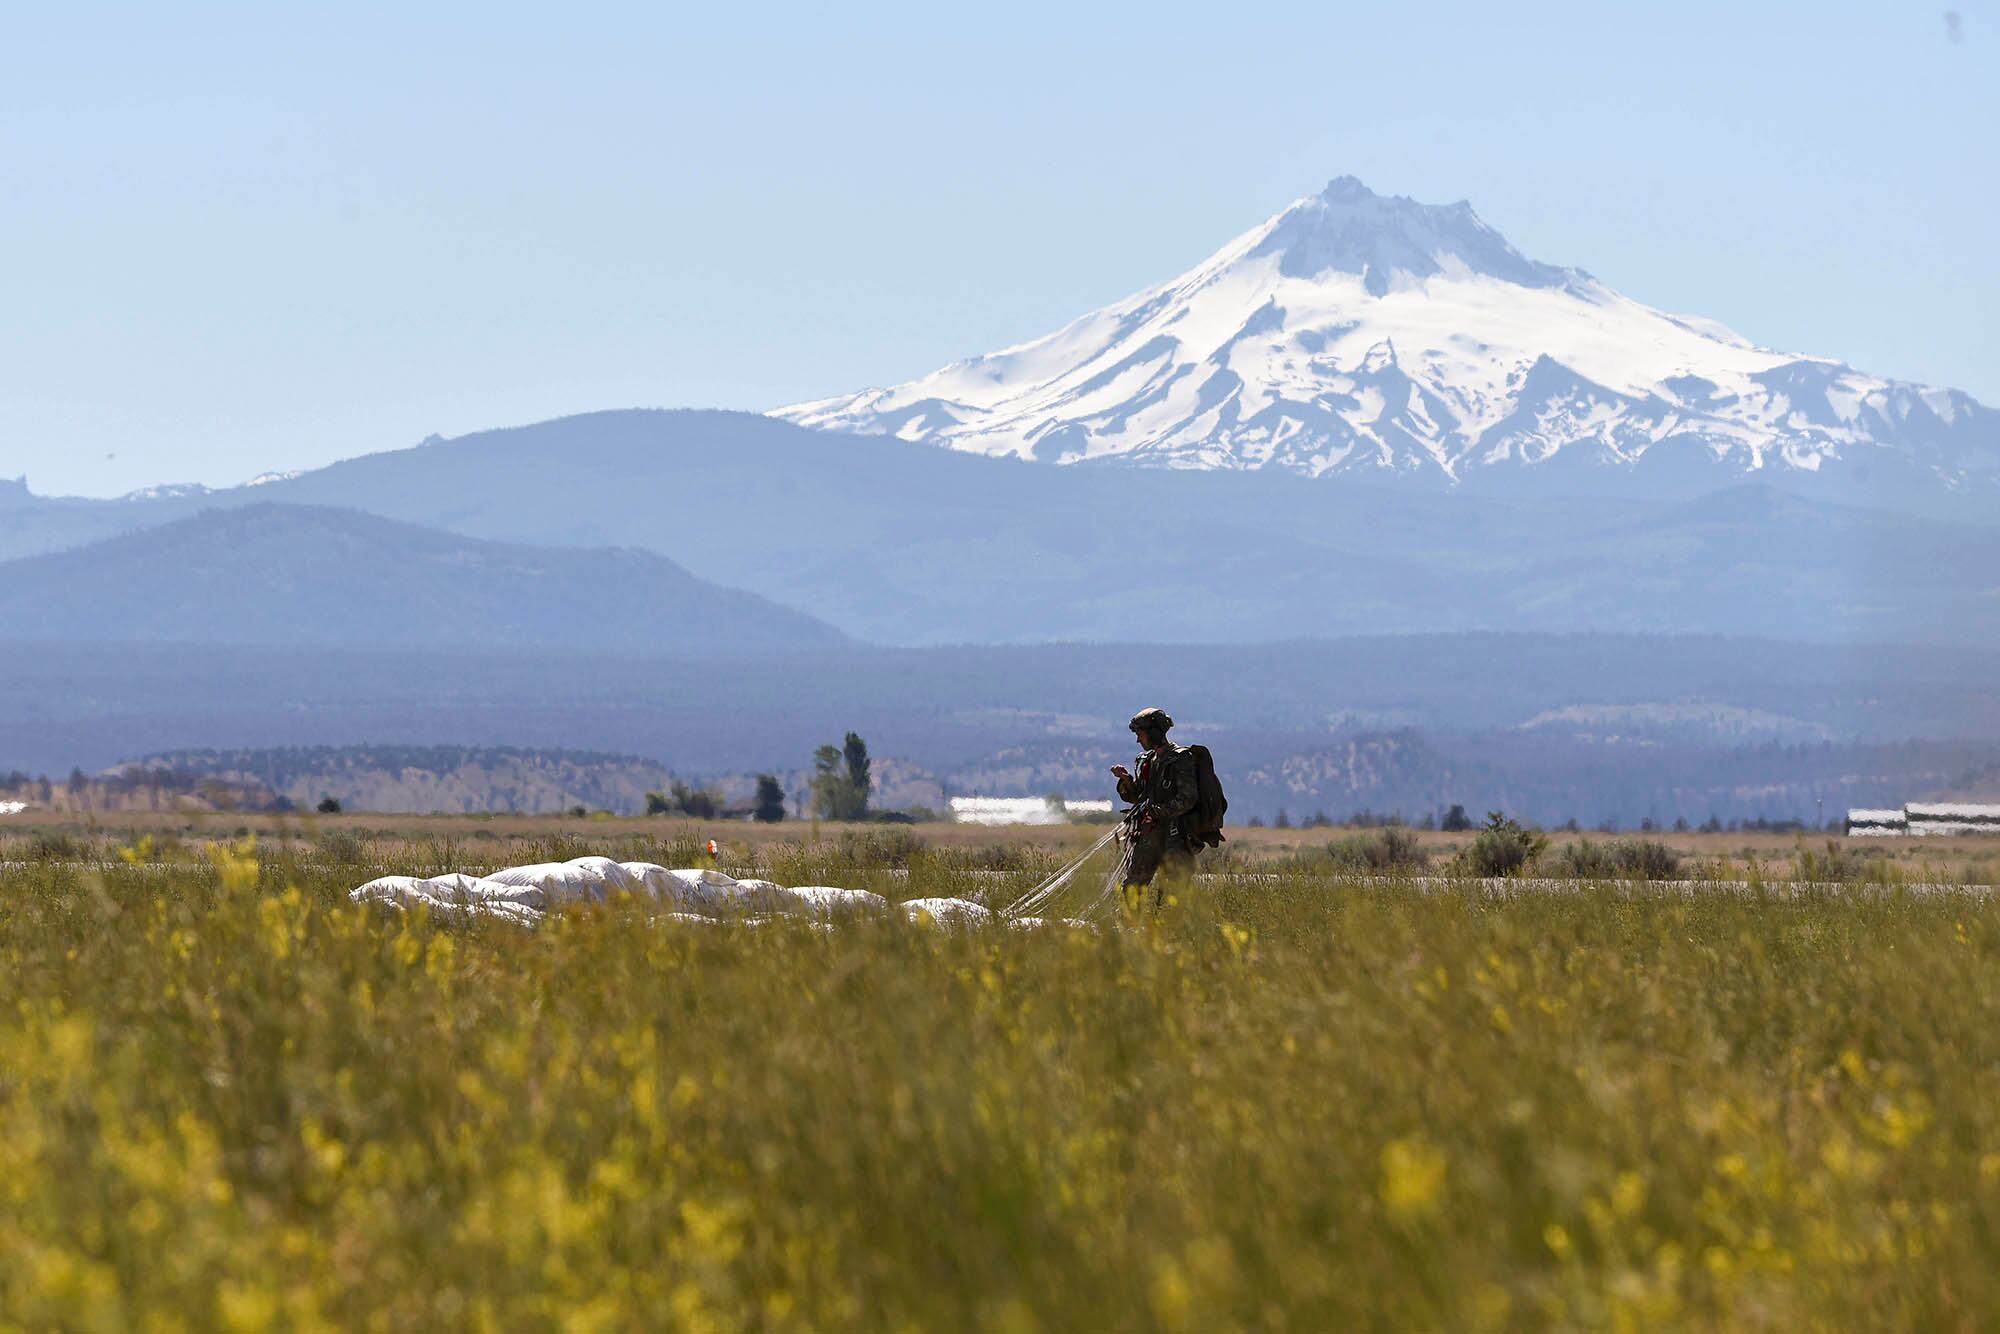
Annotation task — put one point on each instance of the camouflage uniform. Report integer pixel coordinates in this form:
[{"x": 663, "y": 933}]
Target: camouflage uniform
[{"x": 1163, "y": 789}]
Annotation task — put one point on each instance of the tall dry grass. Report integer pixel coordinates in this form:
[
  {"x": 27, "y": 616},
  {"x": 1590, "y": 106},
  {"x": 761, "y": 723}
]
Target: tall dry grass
[{"x": 230, "y": 1099}]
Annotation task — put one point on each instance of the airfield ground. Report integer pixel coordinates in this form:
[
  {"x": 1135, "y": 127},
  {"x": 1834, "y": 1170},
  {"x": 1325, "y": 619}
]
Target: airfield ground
[
  {"x": 495, "y": 840},
  {"x": 1295, "y": 1100}
]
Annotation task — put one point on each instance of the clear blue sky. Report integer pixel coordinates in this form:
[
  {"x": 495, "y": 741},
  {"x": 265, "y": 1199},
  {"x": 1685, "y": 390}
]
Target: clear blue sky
[{"x": 256, "y": 236}]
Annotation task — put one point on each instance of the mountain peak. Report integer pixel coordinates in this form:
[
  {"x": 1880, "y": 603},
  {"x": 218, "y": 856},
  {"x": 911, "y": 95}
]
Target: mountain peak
[
  {"x": 1345, "y": 189},
  {"x": 1348, "y": 228},
  {"x": 1359, "y": 332}
]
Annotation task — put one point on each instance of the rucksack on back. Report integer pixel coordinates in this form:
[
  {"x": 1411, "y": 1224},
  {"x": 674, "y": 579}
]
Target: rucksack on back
[{"x": 1204, "y": 822}]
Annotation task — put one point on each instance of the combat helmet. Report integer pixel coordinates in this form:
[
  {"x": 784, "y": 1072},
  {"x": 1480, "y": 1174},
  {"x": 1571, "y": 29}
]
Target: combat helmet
[{"x": 1151, "y": 720}]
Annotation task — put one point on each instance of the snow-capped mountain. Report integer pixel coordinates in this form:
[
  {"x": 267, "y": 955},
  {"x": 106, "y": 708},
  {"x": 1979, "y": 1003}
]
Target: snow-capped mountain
[{"x": 1357, "y": 332}]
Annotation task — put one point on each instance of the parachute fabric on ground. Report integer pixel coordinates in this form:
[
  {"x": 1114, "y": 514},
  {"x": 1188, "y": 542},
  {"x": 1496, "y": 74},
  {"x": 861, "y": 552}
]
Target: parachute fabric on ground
[
  {"x": 832, "y": 899},
  {"x": 708, "y": 891},
  {"x": 456, "y": 895},
  {"x": 700, "y": 891},
  {"x": 614, "y": 875},
  {"x": 948, "y": 912},
  {"x": 524, "y": 894},
  {"x": 656, "y": 881},
  {"x": 567, "y": 882}
]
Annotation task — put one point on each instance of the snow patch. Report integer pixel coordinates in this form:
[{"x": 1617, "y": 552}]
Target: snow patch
[{"x": 1419, "y": 326}]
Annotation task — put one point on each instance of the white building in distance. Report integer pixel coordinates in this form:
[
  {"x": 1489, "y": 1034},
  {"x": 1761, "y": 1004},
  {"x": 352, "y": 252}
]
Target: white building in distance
[{"x": 1925, "y": 819}]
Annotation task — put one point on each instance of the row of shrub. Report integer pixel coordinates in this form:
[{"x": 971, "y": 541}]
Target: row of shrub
[{"x": 1506, "y": 847}]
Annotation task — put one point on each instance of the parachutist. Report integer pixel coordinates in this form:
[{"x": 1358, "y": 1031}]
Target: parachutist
[{"x": 1176, "y": 809}]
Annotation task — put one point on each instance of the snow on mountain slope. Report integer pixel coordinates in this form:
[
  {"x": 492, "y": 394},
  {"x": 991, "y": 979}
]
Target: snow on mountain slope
[{"x": 1356, "y": 332}]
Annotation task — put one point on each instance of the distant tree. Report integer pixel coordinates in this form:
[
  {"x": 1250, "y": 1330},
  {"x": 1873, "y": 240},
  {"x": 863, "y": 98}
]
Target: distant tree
[
  {"x": 1570, "y": 826},
  {"x": 833, "y": 793},
  {"x": 1647, "y": 826},
  {"x": 700, "y": 802},
  {"x": 1455, "y": 821},
  {"x": 579, "y": 812},
  {"x": 841, "y": 780},
  {"x": 657, "y": 804},
  {"x": 1284, "y": 820},
  {"x": 1680, "y": 824},
  {"x": 770, "y": 806},
  {"x": 859, "y": 776},
  {"x": 828, "y": 782},
  {"x": 1712, "y": 825},
  {"x": 328, "y": 805},
  {"x": 45, "y": 791}
]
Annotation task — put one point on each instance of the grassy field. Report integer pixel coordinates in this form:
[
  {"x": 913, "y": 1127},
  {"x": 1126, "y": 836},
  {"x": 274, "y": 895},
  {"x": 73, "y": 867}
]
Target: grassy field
[{"x": 228, "y": 1098}]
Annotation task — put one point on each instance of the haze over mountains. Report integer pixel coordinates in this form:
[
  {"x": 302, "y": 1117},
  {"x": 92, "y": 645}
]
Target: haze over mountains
[
  {"x": 1594, "y": 727},
  {"x": 903, "y": 543},
  {"x": 1357, "y": 334},
  {"x": 295, "y": 574}
]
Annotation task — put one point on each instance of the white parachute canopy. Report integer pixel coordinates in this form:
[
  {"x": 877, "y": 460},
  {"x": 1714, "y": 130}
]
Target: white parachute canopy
[{"x": 525, "y": 894}]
